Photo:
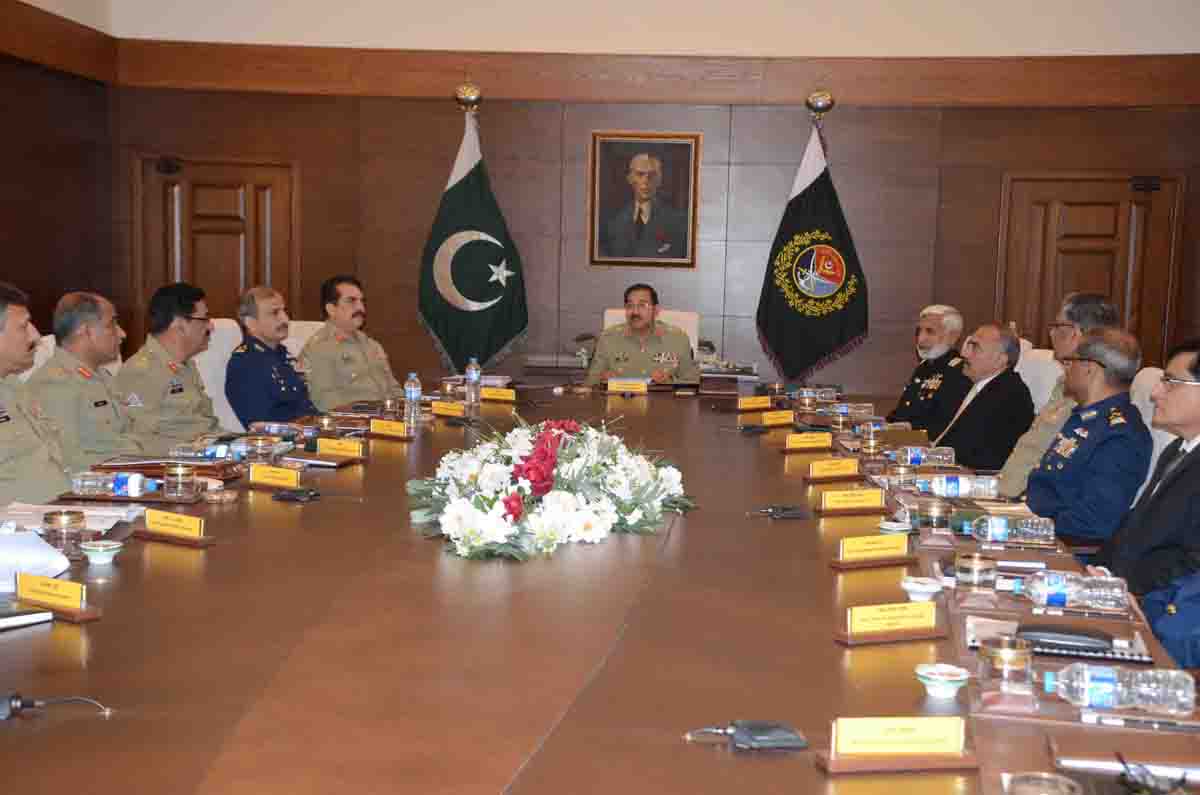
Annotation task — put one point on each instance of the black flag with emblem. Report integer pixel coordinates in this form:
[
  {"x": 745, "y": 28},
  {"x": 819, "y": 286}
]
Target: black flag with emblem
[
  {"x": 472, "y": 294},
  {"x": 813, "y": 306}
]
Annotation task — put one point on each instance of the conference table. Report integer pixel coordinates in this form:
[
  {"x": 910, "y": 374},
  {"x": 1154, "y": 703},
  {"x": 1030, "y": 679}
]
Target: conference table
[{"x": 331, "y": 647}]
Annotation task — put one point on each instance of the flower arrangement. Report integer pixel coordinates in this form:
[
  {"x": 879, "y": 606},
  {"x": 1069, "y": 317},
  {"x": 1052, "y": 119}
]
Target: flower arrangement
[{"x": 526, "y": 492}]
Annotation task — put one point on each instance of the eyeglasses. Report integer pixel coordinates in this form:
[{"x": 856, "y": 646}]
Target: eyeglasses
[
  {"x": 639, "y": 305},
  {"x": 1057, "y": 325},
  {"x": 1170, "y": 382},
  {"x": 196, "y": 317},
  {"x": 1083, "y": 359}
]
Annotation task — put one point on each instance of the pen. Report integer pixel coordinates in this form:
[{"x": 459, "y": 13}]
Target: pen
[
  {"x": 1072, "y": 611},
  {"x": 1095, "y": 718}
]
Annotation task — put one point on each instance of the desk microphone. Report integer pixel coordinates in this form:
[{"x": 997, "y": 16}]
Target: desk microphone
[{"x": 14, "y": 704}]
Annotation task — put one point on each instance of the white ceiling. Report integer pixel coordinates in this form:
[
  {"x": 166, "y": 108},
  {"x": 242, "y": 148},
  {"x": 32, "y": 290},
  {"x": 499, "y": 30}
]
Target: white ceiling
[{"x": 870, "y": 28}]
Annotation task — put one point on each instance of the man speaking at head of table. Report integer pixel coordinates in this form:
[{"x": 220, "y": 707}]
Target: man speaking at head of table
[{"x": 998, "y": 409}]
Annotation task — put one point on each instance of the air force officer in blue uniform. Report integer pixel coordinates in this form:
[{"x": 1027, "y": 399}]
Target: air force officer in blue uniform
[
  {"x": 261, "y": 382},
  {"x": 1093, "y": 469}
]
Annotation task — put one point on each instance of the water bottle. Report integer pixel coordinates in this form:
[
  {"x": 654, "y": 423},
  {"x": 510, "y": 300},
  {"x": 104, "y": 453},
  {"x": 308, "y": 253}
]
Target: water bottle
[
  {"x": 474, "y": 374},
  {"x": 1050, "y": 588},
  {"x": 959, "y": 486},
  {"x": 1032, "y": 530},
  {"x": 113, "y": 484},
  {"x": 990, "y": 529},
  {"x": 1107, "y": 687},
  {"x": 925, "y": 456},
  {"x": 412, "y": 400}
]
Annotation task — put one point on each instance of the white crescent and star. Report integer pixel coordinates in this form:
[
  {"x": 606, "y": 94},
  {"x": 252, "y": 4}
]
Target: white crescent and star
[{"x": 443, "y": 275}]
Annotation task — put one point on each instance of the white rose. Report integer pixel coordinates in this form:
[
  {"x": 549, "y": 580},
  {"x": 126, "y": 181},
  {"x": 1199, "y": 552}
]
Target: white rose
[
  {"x": 494, "y": 477},
  {"x": 671, "y": 481}
]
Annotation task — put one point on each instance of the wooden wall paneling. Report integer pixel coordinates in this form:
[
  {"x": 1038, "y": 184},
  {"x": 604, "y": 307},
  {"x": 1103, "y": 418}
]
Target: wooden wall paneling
[
  {"x": 40, "y": 37},
  {"x": 1079, "y": 81},
  {"x": 54, "y": 211}
]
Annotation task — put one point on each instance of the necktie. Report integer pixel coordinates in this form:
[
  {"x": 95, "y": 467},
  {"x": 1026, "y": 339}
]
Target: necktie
[{"x": 638, "y": 224}]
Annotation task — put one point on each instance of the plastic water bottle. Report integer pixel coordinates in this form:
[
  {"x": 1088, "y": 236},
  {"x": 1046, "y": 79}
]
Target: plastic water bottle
[
  {"x": 1050, "y": 588},
  {"x": 113, "y": 484},
  {"x": 991, "y": 529},
  {"x": 412, "y": 400},
  {"x": 959, "y": 485},
  {"x": 925, "y": 456},
  {"x": 1107, "y": 687},
  {"x": 474, "y": 374}
]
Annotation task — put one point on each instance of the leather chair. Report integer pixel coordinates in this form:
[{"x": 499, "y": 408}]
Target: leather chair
[
  {"x": 688, "y": 322},
  {"x": 1040, "y": 371},
  {"x": 298, "y": 333},
  {"x": 1145, "y": 381},
  {"x": 226, "y": 336}
]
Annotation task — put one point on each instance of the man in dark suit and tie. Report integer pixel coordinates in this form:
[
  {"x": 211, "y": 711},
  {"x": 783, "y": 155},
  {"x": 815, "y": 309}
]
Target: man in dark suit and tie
[
  {"x": 646, "y": 227},
  {"x": 998, "y": 409},
  {"x": 1157, "y": 547}
]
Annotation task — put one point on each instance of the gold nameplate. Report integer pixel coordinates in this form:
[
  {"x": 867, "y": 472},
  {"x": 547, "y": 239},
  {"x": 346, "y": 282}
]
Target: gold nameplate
[
  {"x": 811, "y": 440},
  {"x": 623, "y": 385},
  {"x": 274, "y": 476},
  {"x": 175, "y": 524},
  {"x": 754, "y": 403},
  {"x": 496, "y": 393},
  {"x": 872, "y": 547},
  {"x": 896, "y": 617},
  {"x": 833, "y": 468},
  {"x": 851, "y": 499},
  {"x": 350, "y": 447},
  {"x": 388, "y": 428},
  {"x": 775, "y": 418},
  {"x": 51, "y": 592},
  {"x": 445, "y": 408},
  {"x": 886, "y": 736}
]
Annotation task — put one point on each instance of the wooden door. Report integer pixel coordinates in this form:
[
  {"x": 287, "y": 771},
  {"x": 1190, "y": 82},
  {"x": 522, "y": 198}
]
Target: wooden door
[
  {"x": 1113, "y": 234},
  {"x": 224, "y": 226}
]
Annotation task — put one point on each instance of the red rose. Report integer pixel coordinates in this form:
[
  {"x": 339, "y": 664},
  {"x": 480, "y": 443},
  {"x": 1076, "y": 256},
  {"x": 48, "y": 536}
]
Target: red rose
[{"x": 514, "y": 506}]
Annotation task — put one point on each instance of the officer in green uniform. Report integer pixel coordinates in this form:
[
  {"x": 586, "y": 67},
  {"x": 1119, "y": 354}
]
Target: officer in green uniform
[
  {"x": 642, "y": 346},
  {"x": 1080, "y": 313},
  {"x": 31, "y": 467},
  {"x": 74, "y": 390},
  {"x": 163, "y": 392},
  {"x": 344, "y": 365},
  {"x": 938, "y": 384}
]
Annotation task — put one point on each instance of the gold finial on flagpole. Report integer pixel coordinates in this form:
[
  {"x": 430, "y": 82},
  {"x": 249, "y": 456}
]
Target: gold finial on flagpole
[
  {"x": 819, "y": 103},
  {"x": 468, "y": 96}
]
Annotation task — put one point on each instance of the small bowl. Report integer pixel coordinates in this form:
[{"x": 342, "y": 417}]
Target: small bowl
[
  {"x": 100, "y": 552},
  {"x": 921, "y": 589},
  {"x": 889, "y": 526},
  {"x": 942, "y": 680}
]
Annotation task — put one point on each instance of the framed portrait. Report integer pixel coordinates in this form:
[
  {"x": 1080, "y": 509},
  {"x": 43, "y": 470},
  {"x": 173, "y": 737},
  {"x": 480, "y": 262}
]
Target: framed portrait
[{"x": 643, "y": 193}]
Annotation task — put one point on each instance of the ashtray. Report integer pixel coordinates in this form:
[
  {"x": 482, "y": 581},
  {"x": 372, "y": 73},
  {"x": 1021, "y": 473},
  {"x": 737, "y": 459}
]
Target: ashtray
[
  {"x": 942, "y": 680},
  {"x": 889, "y": 526},
  {"x": 100, "y": 552},
  {"x": 920, "y": 589}
]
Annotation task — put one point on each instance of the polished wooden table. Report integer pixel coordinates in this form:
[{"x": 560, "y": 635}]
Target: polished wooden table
[{"x": 329, "y": 647}]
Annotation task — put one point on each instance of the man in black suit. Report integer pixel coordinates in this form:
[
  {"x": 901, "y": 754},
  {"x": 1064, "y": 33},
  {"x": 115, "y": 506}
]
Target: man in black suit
[
  {"x": 998, "y": 409},
  {"x": 647, "y": 227},
  {"x": 1159, "y": 541}
]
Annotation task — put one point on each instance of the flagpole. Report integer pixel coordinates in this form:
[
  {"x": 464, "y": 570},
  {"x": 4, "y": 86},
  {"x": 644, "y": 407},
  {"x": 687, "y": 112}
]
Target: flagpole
[{"x": 819, "y": 103}]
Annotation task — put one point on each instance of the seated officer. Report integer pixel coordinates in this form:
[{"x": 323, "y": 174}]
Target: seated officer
[
  {"x": 643, "y": 346},
  {"x": 1091, "y": 472},
  {"x": 162, "y": 388},
  {"x": 1079, "y": 314},
  {"x": 76, "y": 392},
  {"x": 30, "y": 464},
  {"x": 938, "y": 384},
  {"x": 260, "y": 381},
  {"x": 344, "y": 364}
]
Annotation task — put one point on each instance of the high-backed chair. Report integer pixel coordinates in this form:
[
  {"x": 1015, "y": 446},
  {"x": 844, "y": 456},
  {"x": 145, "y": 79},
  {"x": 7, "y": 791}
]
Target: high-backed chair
[
  {"x": 211, "y": 363},
  {"x": 1040, "y": 371},
  {"x": 298, "y": 333},
  {"x": 687, "y": 322},
  {"x": 1143, "y": 383}
]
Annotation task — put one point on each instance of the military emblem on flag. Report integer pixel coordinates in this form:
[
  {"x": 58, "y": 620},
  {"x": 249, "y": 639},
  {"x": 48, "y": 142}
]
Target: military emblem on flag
[
  {"x": 813, "y": 305},
  {"x": 472, "y": 292}
]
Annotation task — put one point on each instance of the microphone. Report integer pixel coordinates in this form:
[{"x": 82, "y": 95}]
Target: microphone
[{"x": 14, "y": 704}]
